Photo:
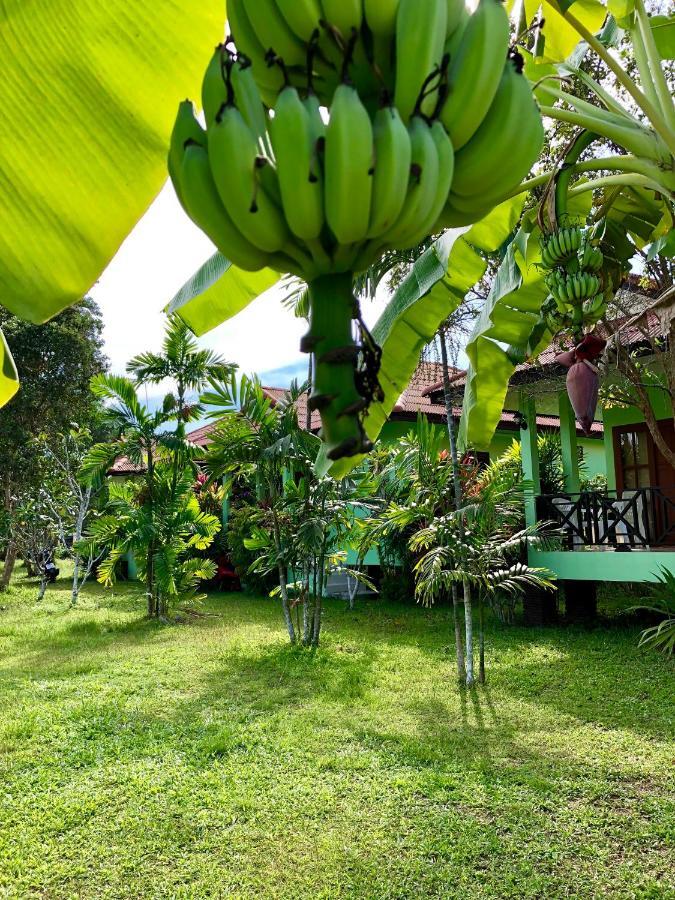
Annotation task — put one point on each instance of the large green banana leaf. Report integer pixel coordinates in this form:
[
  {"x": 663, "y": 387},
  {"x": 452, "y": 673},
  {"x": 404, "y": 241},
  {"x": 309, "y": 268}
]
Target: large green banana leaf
[
  {"x": 559, "y": 37},
  {"x": 9, "y": 382},
  {"x": 218, "y": 291},
  {"x": 435, "y": 286},
  {"x": 508, "y": 331},
  {"x": 88, "y": 95}
]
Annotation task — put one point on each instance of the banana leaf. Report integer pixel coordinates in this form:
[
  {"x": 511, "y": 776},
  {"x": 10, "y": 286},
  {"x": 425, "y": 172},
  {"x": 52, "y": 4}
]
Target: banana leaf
[
  {"x": 508, "y": 331},
  {"x": 217, "y": 292},
  {"x": 435, "y": 286},
  {"x": 9, "y": 380},
  {"x": 664, "y": 35},
  {"x": 559, "y": 38},
  {"x": 88, "y": 95}
]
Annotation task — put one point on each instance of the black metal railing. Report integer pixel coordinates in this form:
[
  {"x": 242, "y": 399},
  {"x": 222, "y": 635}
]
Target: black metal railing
[{"x": 623, "y": 520}]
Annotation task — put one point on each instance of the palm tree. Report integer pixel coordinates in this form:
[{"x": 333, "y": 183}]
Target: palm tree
[
  {"x": 181, "y": 361},
  {"x": 264, "y": 443},
  {"x": 142, "y": 439},
  {"x": 479, "y": 545},
  {"x": 162, "y": 535}
]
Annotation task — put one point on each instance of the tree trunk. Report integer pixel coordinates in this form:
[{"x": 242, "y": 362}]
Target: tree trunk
[
  {"x": 452, "y": 439},
  {"x": 318, "y": 610},
  {"x": 459, "y": 645},
  {"x": 308, "y": 405},
  {"x": 468, "y": 624},
  {"x": 43, "y": 587},
  {"x": 308, "y": 610},
  {"x": 10, "y": 560},
  {"x": 77, "y": 537},
  {"x": 318, "y": 603},
  {"x": 628, "y": 369},
  {"x": 153, "y": 609},
  {"x": 285, "y": 606},
  {"x": 10, "y": 553},
  {"x": 481, "y": 640}
]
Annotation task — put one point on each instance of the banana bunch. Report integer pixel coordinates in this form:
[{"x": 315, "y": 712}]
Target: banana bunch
[
  {"x": 336, "y": 130},
  {"x": 577, "y": 294}
]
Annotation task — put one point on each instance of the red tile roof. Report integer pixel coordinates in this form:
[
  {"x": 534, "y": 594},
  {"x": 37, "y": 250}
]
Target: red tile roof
[
  {"x": 124, "y": 466},
  {"x": 415, "y": 399}
]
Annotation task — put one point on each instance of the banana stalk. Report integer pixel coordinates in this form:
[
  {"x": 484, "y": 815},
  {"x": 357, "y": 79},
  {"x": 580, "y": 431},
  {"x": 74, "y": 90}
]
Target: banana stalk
[{"x": 330, "y": 339}]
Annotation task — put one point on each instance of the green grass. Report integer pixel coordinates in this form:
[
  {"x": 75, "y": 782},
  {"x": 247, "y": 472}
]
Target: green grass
[{"x": 210, "y": 760}]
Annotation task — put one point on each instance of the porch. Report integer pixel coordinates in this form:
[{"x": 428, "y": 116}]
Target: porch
[{"x": 623, "y": 533}]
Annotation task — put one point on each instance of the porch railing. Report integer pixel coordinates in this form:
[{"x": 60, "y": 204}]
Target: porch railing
[{"x": 623, "y": 520}]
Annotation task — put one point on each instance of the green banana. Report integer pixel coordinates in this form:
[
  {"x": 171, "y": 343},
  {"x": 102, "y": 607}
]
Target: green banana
[
  {"x": 269, "y": 80},
  {"x": 214, "y": 88},
  {"x": 451, "y": 217},
  {"x": 380, "y": 16},
  {"x": 316, "y": 122},
  {"x": 420, "y": 36},
  {"x": 446, "y": 168},
  {"x": 345, "y": 15},
  {"x": 302, "y": 16},
  {"x": 273, "y": 32},
  {"x": 248, "y": 101},
  {"x": 300, "y": 180},
  {"x": 422, "y": 189},
  {"x": 595, "y": 305},
  {"x": 455, "y": 38},
  {"x": 508, "y": 142},
  {"x": 203, "y": 205},
  {"x": 348, "y": 167},
  {"x": 457, "y": 13},
  {"x": 186, "y": 129},
  {"x": 317, "y": 132},
  {"x": 475, "y": 72},
  {"x": 233, "y": 153},
  {"x": 392, "y": 170}
]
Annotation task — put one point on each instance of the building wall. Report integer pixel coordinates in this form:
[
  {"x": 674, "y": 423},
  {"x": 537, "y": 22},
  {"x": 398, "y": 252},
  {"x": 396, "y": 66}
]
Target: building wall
[{"x": 617, "y": 415}]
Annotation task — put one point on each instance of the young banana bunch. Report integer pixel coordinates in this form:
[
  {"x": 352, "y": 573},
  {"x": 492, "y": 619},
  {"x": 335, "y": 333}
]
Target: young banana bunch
[
  {"x": 578, "y": 297},
  {"x": 339, "y": 129}
]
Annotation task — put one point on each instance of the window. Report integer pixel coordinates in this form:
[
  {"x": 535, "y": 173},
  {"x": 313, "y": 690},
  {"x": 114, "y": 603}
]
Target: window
[{"x": 634, "y": 450}]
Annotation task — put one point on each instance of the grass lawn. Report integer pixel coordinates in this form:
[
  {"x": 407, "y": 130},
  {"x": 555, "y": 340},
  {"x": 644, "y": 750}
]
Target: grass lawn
[{"x": 210, "y": 760}]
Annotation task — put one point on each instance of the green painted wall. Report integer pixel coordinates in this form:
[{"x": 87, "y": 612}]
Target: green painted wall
[
  {"x": 604, "y": 565},
  {"x": 616, "y": 415}
]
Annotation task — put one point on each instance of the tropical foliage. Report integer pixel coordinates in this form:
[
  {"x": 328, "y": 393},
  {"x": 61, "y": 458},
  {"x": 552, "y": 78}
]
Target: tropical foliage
[
  {"x": 301, "y": 522},
  {"x": 662, "y": 636}
]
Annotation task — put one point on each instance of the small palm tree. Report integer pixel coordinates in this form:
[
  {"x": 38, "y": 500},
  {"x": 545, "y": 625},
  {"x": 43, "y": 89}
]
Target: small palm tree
[
  {"x": 143, "y": 439},
  {"x": 263, "y": 443},
  {"x": 479, "y": 544},
  {"x": 162, "y": 536}
]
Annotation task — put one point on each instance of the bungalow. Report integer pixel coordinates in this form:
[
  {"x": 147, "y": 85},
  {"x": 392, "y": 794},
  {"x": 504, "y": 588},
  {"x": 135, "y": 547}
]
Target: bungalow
[{"x": 626, "y": 533}]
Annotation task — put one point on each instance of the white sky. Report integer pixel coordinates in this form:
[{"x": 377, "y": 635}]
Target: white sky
[{"x": 157, "y": 258}]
